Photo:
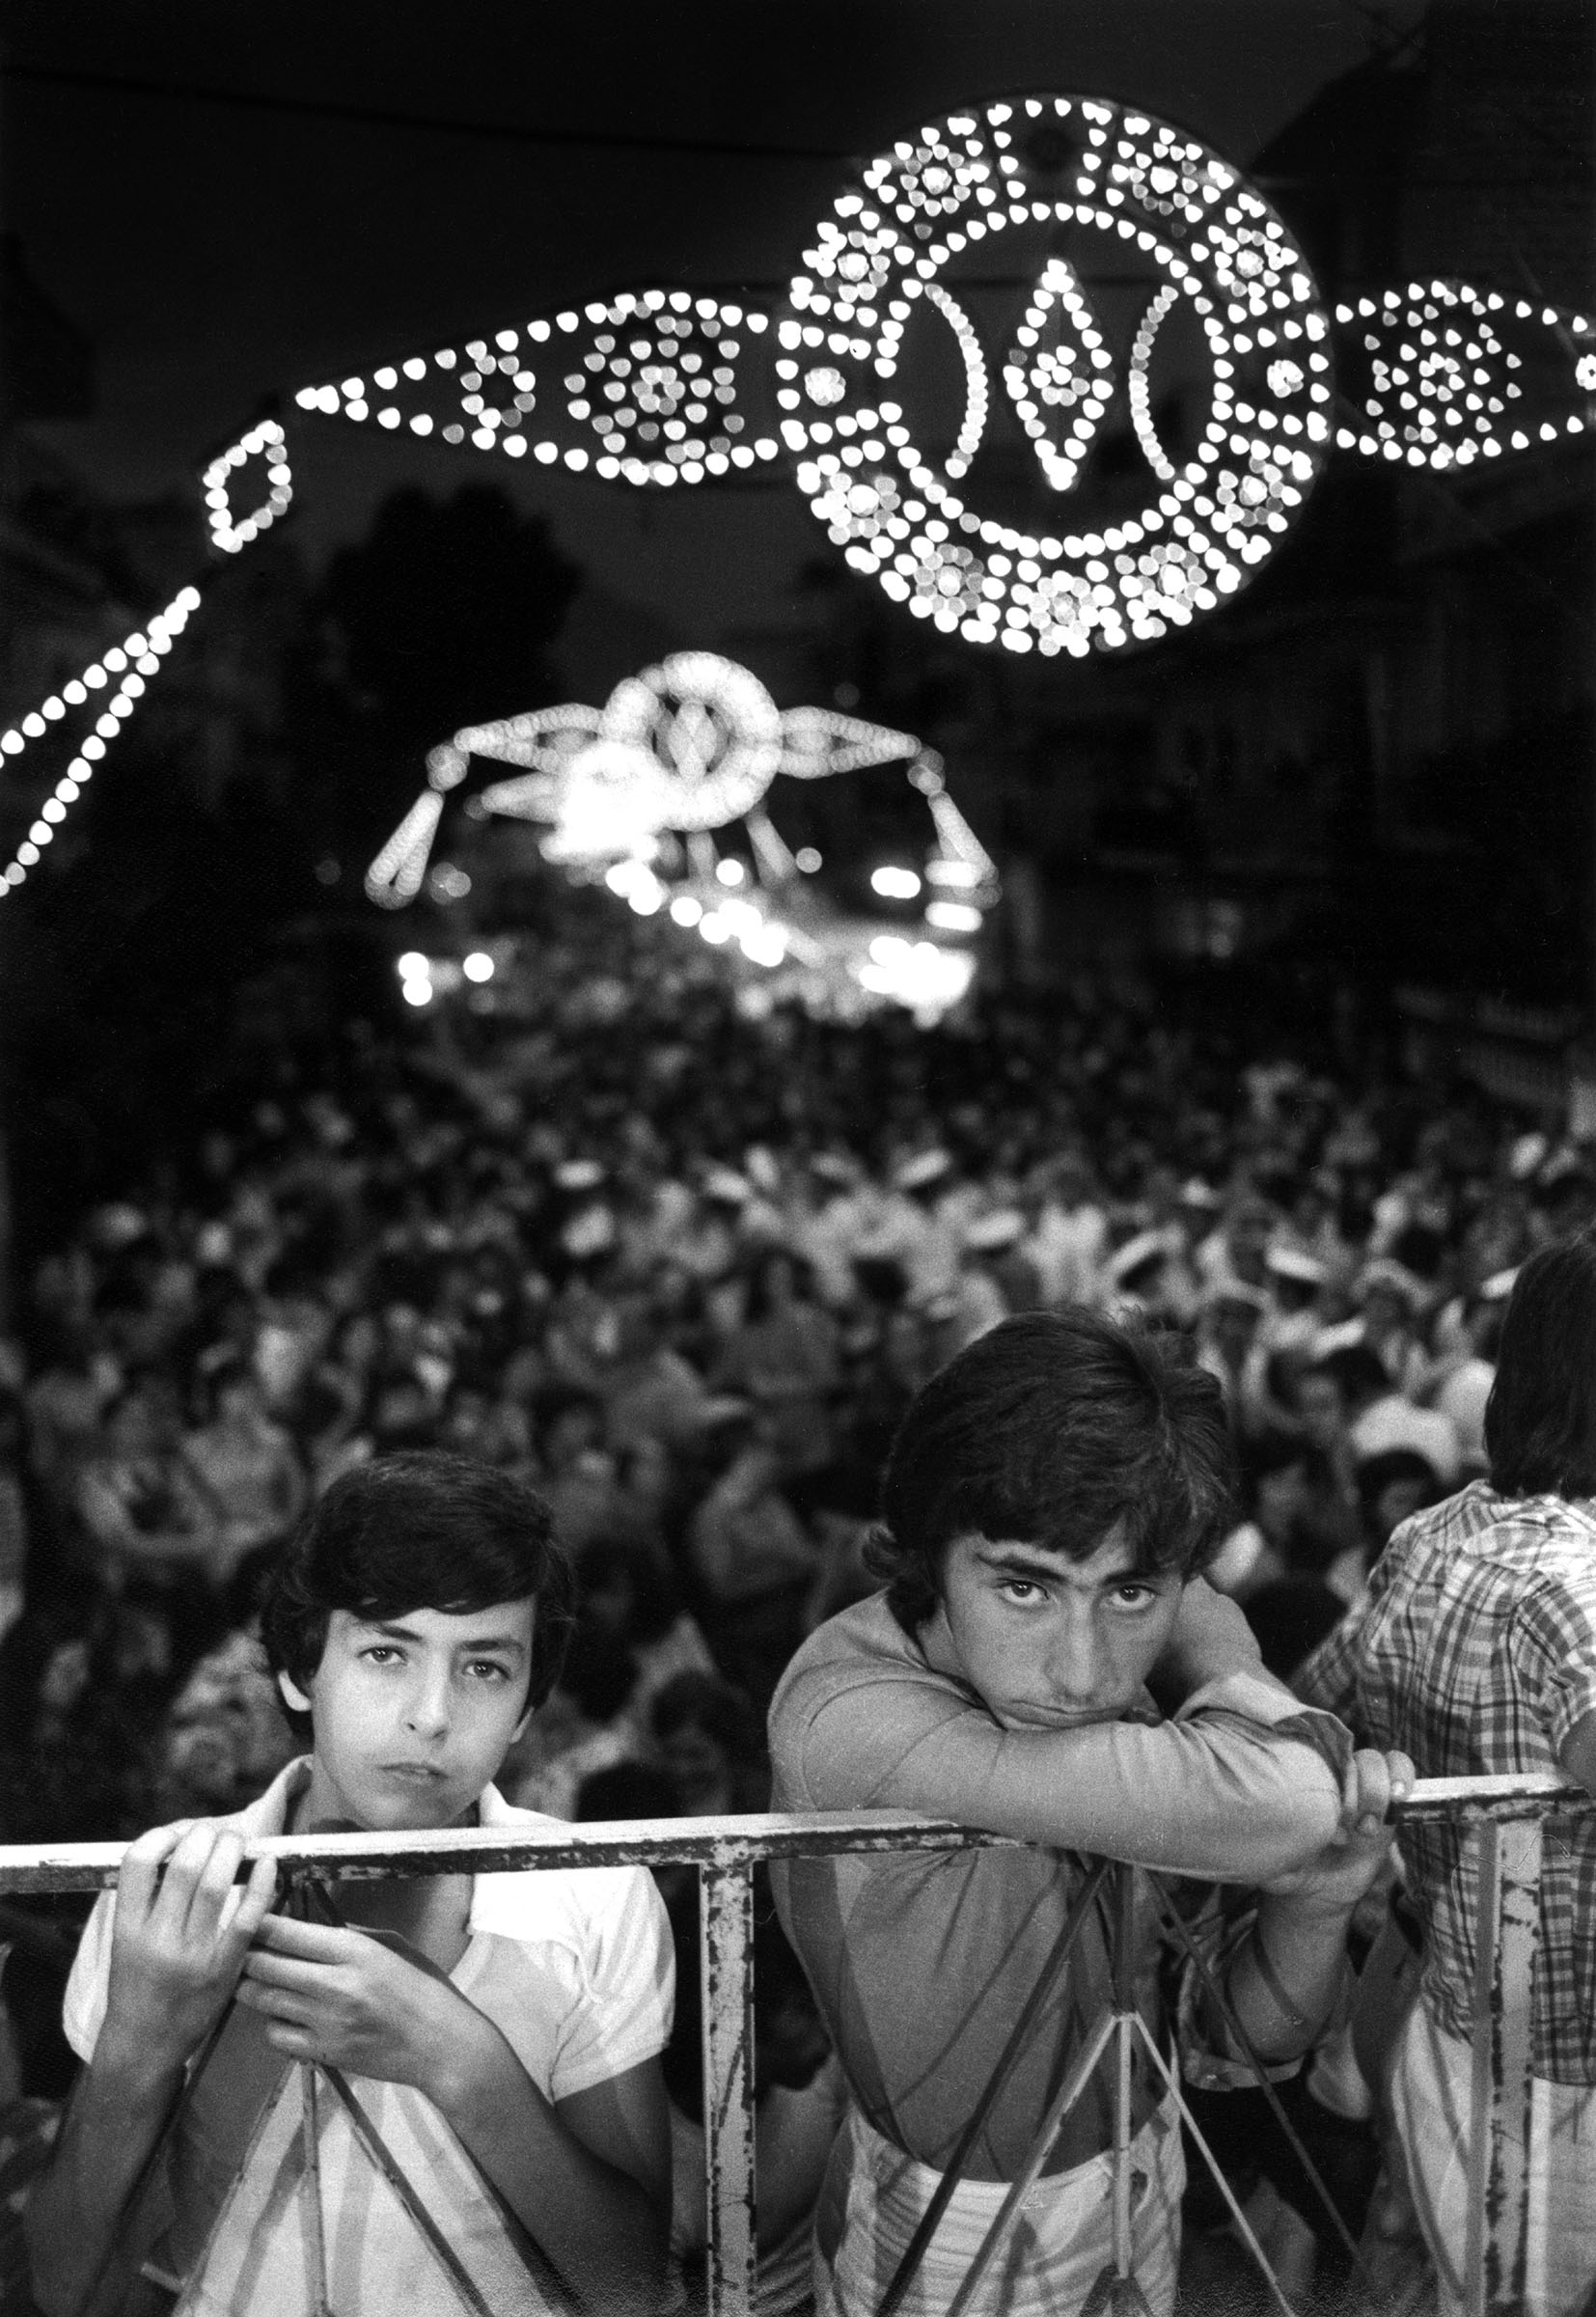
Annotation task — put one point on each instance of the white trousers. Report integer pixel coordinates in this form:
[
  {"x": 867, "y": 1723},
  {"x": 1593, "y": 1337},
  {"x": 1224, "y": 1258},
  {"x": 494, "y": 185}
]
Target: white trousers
[
  {"x": 1058, "y": 2248},
  {"x": 1430, "y": 2102}
]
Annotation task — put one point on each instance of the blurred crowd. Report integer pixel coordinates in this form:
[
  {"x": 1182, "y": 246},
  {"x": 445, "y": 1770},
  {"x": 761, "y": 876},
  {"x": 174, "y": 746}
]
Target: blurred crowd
[{"x": 682, "y": 1256}]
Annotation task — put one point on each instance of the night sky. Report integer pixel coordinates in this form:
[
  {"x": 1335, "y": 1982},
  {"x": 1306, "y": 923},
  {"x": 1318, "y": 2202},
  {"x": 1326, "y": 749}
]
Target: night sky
[{"x": 398, "y": 177}]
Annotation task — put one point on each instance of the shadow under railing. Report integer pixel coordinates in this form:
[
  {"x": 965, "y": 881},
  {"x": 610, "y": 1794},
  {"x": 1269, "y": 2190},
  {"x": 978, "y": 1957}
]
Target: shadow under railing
[{"x": 1508, "y": 1815}]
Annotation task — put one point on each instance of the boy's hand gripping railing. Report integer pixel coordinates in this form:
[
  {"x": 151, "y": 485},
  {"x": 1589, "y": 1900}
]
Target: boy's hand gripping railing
[{"x": 1509, "y": 1812}]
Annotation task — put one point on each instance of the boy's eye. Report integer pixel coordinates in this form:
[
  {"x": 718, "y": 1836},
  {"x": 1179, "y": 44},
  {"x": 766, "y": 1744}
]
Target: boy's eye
[
  {"x": 1021, "y": 1589},
  {"x": 487, "y": 1669},
  {"x": 1134, "y": 1596},
  {"x": 380, "y": 1652}
]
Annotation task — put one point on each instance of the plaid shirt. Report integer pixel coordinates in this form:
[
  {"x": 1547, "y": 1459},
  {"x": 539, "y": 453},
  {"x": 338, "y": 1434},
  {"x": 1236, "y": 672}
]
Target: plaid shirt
[{"x": 1475, "y": 1653}]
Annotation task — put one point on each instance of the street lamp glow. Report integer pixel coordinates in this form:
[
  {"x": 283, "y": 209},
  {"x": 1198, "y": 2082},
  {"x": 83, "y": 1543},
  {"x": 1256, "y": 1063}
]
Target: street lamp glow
[
  {"x": 478, "y": 967},
  {"x": 895, "y": 884},
  {"x": 417, "y": 993}
]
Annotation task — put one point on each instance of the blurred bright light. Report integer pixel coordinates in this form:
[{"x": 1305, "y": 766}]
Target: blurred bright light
[
  {"x": 729, "y": 872},
  {"x": 414, "y": 967},
  {"x": 806, "y": 859},
  {"x": 917, "y": 974},
  {"x": 417, "y": 993},
  {"x": 895, "y": 884},
  {"x": 646, "y": 898},
  {"x": 764, "y": 944},
  {"x": 959, "y": 876},
  {"x": 715, "y": 927},
  {"x": 478, "y": 967},
  {"x": 685, "y": 910},
  {"x": 953, "y": 917}
]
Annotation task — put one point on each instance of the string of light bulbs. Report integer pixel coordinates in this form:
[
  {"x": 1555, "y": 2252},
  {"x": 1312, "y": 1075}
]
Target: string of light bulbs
[{"x": 121, "y": 674}]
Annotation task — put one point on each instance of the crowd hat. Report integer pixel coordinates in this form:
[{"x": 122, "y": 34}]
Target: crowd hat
[
  {"x": 728, "y": 1187},
  {"x": 988, "y": 1233},
  {"x": 1137, "y": 1255},
  {"x": 1296, "y": 1264},
  {"x": 1385, "y": 1271},
  {"x": 762, "y": 1169},
  {"x": 919, "y": 1172}
]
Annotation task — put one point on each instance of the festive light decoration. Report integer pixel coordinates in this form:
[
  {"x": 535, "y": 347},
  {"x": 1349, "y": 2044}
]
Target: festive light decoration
[
  {"x": 1457, "y": 374},
  {"x": 653, "y": 387},
  {"x": 266, "y": 442},
  {"x": 659, "y": 387},
  {"x": 688, "y": 745},
  {"x": 1201, "y": 319},
  {"x": 121, "y": 676}
]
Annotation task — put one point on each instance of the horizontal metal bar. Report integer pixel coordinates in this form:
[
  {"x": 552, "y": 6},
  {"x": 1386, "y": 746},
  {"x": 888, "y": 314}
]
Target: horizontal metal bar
[
  {"x": 713, "y": 1842},
  {"x": 1526, "y": 1794}
]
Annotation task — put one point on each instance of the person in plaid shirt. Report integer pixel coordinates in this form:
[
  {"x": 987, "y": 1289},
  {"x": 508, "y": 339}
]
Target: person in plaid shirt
[{"x": 1475, "y": 1651}]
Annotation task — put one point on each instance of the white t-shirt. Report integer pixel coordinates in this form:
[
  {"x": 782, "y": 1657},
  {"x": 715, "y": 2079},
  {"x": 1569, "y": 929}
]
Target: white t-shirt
[{"x": 574, "y": 1967}]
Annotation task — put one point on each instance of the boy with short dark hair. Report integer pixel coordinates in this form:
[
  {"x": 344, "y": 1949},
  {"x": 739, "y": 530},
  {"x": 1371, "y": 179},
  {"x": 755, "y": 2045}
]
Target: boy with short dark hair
[
  {"x": 1051, "y": 1493},
  {"x": 499, "y": 2034}
]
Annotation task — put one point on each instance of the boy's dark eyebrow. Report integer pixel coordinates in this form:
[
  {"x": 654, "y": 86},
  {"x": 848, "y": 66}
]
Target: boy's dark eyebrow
[
  {"x": 507, "y": 1641},
  {"x": 1014, "y": 1562}
]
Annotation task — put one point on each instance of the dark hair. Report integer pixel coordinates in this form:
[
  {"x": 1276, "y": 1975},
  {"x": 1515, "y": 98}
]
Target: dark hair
[
  {"x": 655, "y": 1607},
  {"x": 707, "y": 1702},
  {"x": 1540, "y": 1419},
  {"x": 1048, "y": 1430},
  {"x": 421, "y": 1529},
  {"x": 1357, "y": 1372},
  {"x": 1376, "y": 1474},
  {"x": 627, "y": 1790},
  {"x": 1290, "y": 1617}
]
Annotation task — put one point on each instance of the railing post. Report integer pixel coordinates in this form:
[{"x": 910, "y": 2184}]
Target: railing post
[
  {"x": 1505, "y": 1934},
  {"x": 725, "y": 1962}
]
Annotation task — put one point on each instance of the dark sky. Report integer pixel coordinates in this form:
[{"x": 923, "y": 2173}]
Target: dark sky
[{"x": 399, "y": 176}]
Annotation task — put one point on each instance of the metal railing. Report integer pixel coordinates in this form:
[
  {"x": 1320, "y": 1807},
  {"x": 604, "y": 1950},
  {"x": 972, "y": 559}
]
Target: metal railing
[{"x": 1508, "y": 1814}]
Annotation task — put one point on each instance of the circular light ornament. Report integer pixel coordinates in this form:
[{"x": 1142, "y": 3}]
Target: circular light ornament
[
  {"x": 1165, "y": 397},
  {"x": 696, "y": 739}
]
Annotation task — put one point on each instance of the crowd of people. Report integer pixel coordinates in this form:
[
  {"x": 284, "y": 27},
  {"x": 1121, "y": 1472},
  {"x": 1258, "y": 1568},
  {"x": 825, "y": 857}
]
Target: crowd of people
[{"x": 682, "y": 1258}]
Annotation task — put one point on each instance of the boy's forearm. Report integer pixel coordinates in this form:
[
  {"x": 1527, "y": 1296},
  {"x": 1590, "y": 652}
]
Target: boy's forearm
[
  {"x": 77, "y": 2218},
  {"x": 1287, "y": 1974},
  {"x": 1182, "y": 1798},
  {"x": 596, "y": 2223}
]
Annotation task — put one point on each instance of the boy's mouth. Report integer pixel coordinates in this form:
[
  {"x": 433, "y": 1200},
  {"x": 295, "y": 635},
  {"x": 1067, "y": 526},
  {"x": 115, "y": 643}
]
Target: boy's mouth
[{"x": 421, "y": 1774}]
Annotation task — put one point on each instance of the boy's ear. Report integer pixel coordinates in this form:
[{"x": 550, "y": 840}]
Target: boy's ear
[{"x": 293, "y": 1696}]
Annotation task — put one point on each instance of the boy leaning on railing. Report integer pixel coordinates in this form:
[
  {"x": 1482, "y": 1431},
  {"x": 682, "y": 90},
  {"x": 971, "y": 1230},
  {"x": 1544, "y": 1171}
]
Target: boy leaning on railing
[{"x": 1050, "y": 1497}]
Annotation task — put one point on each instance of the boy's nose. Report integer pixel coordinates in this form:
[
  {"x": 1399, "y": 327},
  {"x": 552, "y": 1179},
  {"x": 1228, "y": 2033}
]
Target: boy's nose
[
  {"x": 1072, "y": 1664},
  {"x": 429, "y": 1708}
]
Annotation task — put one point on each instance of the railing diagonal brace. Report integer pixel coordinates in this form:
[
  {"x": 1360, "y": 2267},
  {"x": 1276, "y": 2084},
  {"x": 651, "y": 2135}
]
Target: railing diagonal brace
[
  {"x": 1227, "y": 2010},
  {"x": 1047, "y": 1980}
]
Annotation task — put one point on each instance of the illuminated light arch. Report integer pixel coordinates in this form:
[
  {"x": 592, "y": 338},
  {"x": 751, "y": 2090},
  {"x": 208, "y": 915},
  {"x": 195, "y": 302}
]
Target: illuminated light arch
[
  {"x": 661, "y": 388},
  {"x": 689, "y": 745}
]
